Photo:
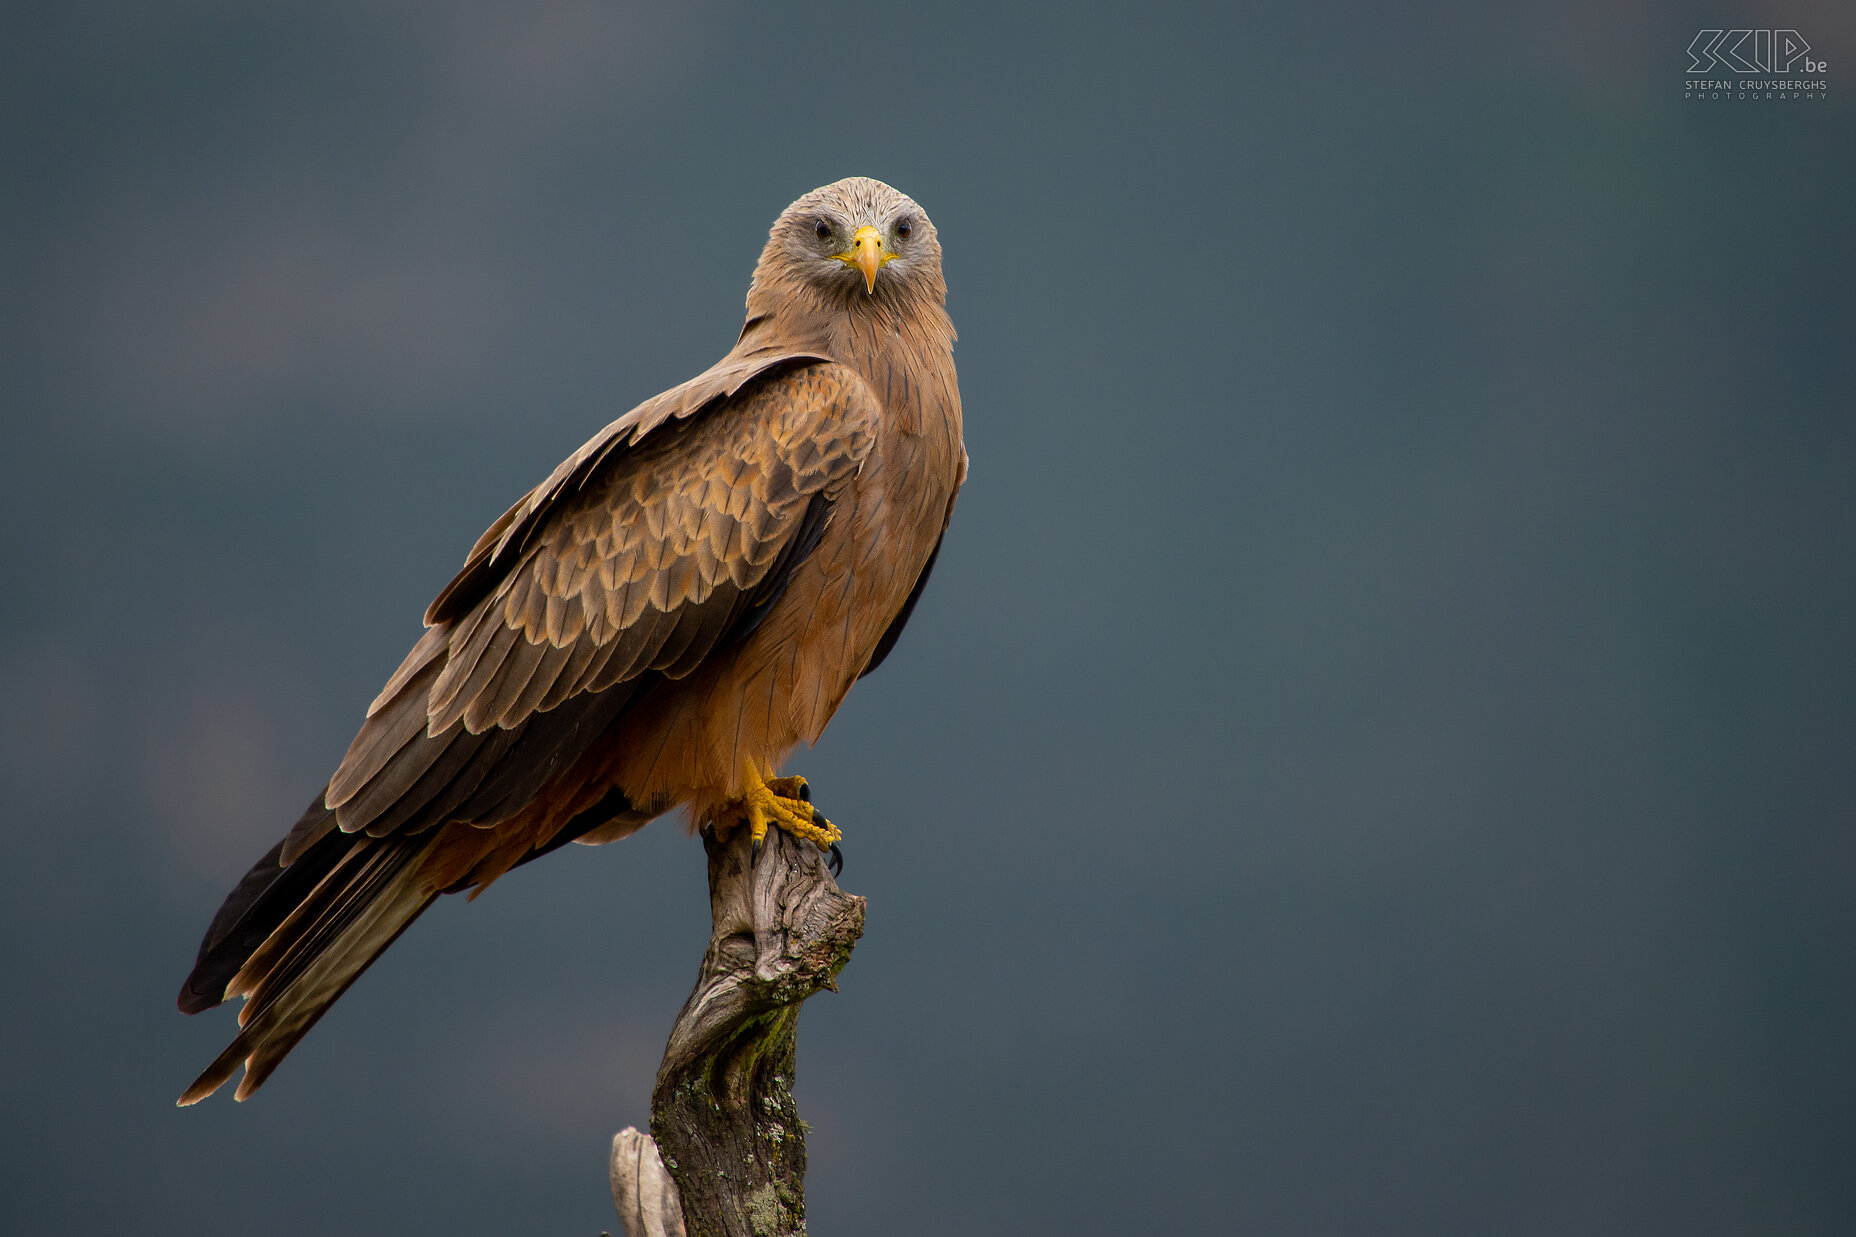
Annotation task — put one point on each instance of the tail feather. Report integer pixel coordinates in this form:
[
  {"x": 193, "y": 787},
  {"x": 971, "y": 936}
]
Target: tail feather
[
  {"x": 275, "y": 887},
  {"x": 359, "y": 906}
]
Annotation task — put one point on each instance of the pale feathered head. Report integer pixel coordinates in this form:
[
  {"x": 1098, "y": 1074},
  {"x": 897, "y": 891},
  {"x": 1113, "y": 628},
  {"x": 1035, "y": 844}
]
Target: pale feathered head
[{"x": 855, "y": 239}]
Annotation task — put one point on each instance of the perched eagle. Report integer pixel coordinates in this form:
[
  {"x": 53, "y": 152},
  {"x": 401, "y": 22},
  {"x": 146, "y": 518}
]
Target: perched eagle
[{"x": 684, "y": 600}]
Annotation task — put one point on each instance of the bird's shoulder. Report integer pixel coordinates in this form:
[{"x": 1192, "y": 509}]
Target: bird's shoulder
[{"x": 769, "y": 401}]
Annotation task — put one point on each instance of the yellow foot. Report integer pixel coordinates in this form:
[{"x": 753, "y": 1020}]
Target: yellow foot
[{"x": 785, "y": 802}]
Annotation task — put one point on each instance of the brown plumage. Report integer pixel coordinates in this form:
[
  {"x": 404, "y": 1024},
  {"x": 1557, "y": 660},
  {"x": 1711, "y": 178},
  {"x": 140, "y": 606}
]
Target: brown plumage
[{"x": 683, "y": 601}]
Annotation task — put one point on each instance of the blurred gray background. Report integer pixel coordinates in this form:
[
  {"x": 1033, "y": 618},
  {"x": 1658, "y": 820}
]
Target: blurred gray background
[{"x": 1376, "y": 756}]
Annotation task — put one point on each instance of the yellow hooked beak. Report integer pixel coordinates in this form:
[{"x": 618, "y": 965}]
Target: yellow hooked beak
[{"x": 866, "y": 254}]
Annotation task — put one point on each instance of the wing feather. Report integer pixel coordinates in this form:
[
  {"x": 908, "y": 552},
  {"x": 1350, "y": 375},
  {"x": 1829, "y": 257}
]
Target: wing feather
[
  {"x": 573, "y": 672},
  {"x": 472, "y": 703},
  {"x": 396, "y": 780},
  {"x": 512, "y": 679},
  {"x": 464, "y": 760},
  {"x": 383, "y": 738}
]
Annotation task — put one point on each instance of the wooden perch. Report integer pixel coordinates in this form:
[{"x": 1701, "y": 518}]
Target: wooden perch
[{"x": 722, "y": 1111}]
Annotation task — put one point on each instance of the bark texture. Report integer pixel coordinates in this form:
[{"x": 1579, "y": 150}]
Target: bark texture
[{"x": 722, "y": 1112}]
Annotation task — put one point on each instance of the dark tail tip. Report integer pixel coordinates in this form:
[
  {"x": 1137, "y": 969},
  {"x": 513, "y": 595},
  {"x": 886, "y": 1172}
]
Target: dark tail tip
[{"x": 193, "y": 1001}]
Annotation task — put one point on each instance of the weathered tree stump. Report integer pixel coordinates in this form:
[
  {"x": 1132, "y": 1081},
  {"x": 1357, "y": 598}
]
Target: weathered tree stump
[{"x": 722, "y": 1111}]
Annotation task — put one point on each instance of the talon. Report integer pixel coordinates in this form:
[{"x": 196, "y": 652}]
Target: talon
[
  {"x": 835, "y": 865},
  {"x": 786, "y": 803},
  {"x": 754, "y": 848}
]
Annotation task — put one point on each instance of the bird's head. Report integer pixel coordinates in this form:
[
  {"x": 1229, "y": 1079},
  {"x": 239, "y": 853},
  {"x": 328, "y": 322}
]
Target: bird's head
[{"x": 853, "y": 240}]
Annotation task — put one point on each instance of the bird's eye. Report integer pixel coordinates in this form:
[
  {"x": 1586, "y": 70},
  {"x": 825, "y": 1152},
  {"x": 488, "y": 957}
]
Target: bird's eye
[
  {"x": 904, "y": 226},
  {"x": 823, "y": 229}
]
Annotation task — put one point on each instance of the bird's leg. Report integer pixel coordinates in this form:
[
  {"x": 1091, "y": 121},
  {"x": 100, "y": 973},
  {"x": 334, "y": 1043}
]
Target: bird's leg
[{"x": 785, "y": 802}]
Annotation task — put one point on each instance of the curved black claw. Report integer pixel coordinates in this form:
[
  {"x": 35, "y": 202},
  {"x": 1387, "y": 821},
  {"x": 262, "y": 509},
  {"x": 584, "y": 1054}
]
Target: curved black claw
[
  {"x": 754, "y": 849},
  {"x": 805, "y": 793},
  {"x": 835, "y": 865}
]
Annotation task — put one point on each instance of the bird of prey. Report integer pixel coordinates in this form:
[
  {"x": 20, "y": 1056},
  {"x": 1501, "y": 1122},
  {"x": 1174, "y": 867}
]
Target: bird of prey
[{"x": 683, "y": 601}]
